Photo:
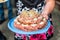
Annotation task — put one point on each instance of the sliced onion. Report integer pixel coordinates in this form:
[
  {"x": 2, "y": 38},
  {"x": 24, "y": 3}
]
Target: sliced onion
[
  {"x": 41, "y": 23},
  {"x": 24, "y": 25},
  {"x": 34, "y": 25},
  {"x": 35, "y": 19}
]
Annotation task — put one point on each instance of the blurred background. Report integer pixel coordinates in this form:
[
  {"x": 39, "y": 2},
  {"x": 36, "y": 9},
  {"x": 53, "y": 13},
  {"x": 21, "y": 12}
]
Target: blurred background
[{"x": 55, "y": 16}]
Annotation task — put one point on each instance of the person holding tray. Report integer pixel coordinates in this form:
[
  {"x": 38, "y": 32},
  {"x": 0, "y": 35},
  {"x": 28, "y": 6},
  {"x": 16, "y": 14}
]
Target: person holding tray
[
  {"x": 44, "y": 7},
  {"x": 9, "y": 7}
]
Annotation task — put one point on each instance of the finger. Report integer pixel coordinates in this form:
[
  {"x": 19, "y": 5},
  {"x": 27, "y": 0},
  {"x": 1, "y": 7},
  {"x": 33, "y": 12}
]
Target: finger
[{"x": 45, "y": 16}]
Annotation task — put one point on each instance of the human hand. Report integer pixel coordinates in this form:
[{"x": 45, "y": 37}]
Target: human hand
[{"x": 44, "y": 16}]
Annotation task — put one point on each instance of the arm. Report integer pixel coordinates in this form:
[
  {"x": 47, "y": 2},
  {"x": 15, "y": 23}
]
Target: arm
[
  {"x": 2, "y": 1},
  {"x": 48, "y": 8}
]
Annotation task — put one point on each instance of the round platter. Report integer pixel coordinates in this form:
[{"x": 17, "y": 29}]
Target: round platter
[{"x": 13, "y": 29}]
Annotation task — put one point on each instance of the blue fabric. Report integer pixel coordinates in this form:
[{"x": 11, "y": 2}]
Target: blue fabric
[
  {"x": 1, "y": 12},
  {"x": 12, "y": 28},
  {"x": 9, "y": 7}
]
